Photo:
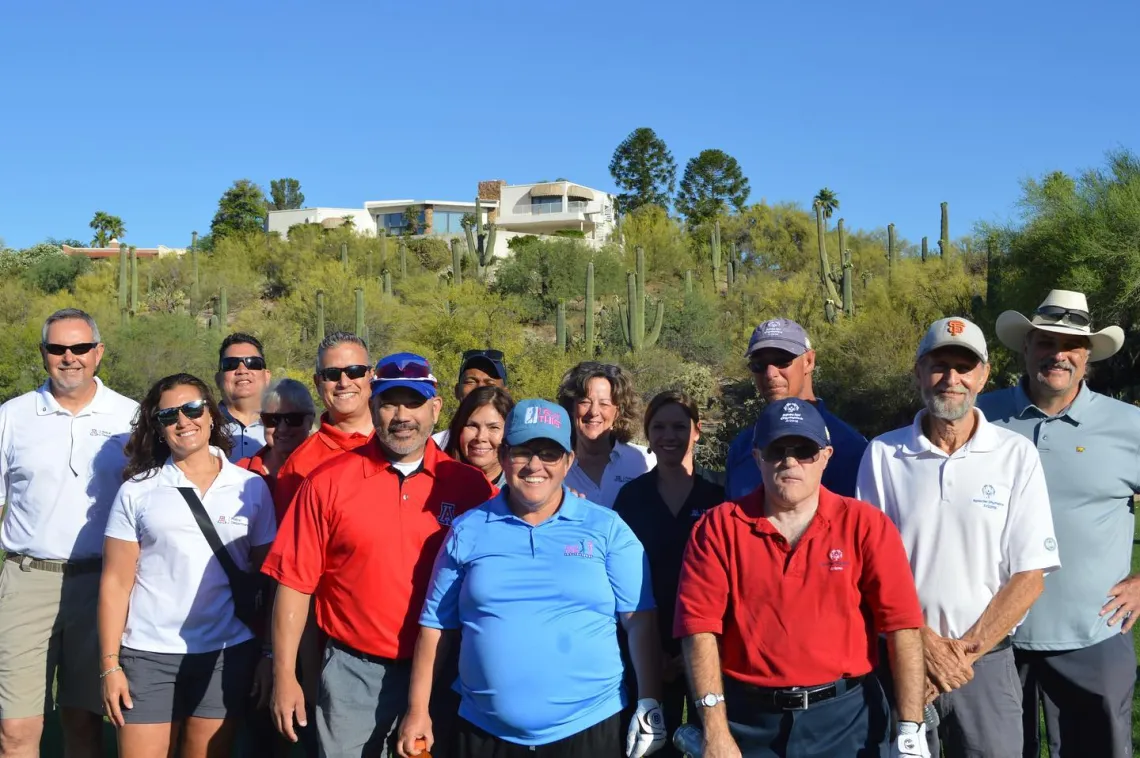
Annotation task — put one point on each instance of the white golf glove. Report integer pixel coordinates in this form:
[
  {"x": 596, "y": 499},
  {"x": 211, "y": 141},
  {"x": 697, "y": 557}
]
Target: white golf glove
[
  {"x": 646, "y": 729},
  {"x": 912, "y": 740}
]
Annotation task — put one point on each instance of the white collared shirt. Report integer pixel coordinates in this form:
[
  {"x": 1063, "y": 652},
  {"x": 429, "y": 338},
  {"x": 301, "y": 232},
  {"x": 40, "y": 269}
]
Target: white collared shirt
[
  {"x": 627, "y": 462},
  {"x": 247, "y": 439},
  {"x": 969, "y": 521},
  {"x": 181, "y": 601},
  {"x": 59, "y": 472}
]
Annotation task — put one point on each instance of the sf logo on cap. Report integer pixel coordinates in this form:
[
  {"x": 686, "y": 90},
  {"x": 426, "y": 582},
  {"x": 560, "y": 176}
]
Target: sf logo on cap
[{"x": 955, "y": 327}]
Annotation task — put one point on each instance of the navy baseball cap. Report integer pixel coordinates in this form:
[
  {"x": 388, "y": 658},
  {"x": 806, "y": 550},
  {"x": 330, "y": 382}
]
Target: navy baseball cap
[
  {"x": 792, "y": 417},
  {"x": 404, "y": 370},
  {"x": 484, "y": 359},
  {"x": 782, "y": 334},
  {"x": 538, "y": 419}
]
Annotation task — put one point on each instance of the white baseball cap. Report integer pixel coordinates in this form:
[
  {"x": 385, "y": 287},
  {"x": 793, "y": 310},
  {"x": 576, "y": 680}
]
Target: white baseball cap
[{"x": 954, "y": 332}]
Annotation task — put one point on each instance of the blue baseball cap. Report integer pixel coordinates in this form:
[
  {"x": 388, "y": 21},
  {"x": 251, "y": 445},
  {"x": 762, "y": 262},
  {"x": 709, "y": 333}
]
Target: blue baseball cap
[
  {"x": 791, "y": 417},
  {"x": 404, "y": 370},
  {"x": 538, "y": 419},
  {"x": 781, "y": 334}
]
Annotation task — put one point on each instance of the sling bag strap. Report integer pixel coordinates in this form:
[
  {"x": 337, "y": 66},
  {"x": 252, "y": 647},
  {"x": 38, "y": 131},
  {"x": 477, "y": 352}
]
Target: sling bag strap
[{"x": 211, "y": 534}]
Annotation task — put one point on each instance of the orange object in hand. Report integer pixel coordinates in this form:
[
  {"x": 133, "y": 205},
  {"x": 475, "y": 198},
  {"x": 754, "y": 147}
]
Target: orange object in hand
[{"x": 421, "y": 745}]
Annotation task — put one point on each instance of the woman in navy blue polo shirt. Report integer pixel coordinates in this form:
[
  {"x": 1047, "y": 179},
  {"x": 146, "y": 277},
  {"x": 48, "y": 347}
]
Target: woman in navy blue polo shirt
[{"x": 661, "y": 507}]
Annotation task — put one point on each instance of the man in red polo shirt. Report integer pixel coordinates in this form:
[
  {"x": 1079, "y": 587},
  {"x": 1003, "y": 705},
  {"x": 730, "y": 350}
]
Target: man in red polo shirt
[
  {"x": 361, "y": 536},
  {"x": 797, "y": 582}
]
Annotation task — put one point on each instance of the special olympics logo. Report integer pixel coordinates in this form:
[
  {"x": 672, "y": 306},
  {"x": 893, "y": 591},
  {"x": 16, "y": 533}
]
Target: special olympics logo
[
  {"x": 791, "y": 407},
  {"x": 835, "y": 555},
  {"x": 988, "y": 491},
  {"x": 955, "y": 327}
]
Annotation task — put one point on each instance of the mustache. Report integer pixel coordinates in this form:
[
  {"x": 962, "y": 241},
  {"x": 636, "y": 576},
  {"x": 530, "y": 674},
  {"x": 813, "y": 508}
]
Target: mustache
[
  {"x": 403, "y": 426},
  {"x": 1047, "y": 365}
]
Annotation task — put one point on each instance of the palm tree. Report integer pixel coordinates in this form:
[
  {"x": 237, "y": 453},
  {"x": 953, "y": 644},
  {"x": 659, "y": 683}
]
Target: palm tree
[
  {"x": 107, "y": 228},
  {"x": 827, "y": 200}
]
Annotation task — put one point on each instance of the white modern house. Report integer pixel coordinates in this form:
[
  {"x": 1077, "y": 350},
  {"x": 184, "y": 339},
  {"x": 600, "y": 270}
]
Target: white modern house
[{"x": 541, "y": 209}]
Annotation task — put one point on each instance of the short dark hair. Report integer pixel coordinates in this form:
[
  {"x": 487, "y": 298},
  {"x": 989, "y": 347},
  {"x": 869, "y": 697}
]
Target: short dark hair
[
  {"x": 671, "y": 397},
  {"x": 240, "y": 338},
  {"x": 476, "y": 399}
]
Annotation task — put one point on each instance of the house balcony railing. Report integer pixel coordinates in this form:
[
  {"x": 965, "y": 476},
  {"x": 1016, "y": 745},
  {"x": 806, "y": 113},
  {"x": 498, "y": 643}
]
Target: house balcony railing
[{"x": 542, "y": 209}]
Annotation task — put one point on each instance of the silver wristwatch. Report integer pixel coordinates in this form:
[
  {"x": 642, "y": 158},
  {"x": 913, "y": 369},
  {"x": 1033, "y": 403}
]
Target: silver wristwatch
[{"x": 709, "y": 700}]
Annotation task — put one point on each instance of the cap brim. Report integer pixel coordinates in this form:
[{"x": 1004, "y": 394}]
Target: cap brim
[
  {"x": 760, "y": 445},
  {"x": 483, "y": 362},
  {"x": 422, "y": 386},
  {"x": 1012, "y": 327},
  {"x": 788, "y": 346}
]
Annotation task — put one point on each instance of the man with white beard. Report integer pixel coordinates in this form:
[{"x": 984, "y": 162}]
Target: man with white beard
[{"x": 970, "y": 501}]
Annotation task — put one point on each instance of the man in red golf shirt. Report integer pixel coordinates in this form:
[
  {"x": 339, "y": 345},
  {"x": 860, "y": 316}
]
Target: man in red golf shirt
[
  {"x": 797, "y": 583},
  {"x": 361, "y": 536}
]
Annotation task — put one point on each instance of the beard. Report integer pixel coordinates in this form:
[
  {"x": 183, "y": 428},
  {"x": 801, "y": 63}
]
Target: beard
[
  {"x": 949, "y": 406},
  {"x": 402, "y": 445}
]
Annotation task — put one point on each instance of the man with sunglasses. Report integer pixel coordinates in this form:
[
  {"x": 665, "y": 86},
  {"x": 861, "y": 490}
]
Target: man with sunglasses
[
  {"x": 242, "y": 378},
  {"x": 360, "y": 537},
  {"x": 782, "y": 360},
  {"x": 477, "y": 368},
  {"x": 61, "y": 465},
  {"x": 343, "y": 382},
  {"x": 1074, "y": 651},
  {"x": 782, "y": 596},
  {"x": 970, "y": 500}
]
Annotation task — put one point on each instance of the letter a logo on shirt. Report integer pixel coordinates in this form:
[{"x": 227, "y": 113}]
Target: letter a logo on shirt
[{"x": 446, "y": 513}]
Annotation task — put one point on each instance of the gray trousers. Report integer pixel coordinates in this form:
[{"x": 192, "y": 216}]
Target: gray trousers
[
  {"x": 1087, "y": 698},
  {"x": 360, "y": 701},
  {"x": 983, "y": 718}
]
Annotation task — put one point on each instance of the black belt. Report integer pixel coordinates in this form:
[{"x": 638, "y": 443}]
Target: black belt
[
  {"x": 67, "y": 568},
  {"x": 366, "y": 656},
  {"x": 795, "y": 698}
]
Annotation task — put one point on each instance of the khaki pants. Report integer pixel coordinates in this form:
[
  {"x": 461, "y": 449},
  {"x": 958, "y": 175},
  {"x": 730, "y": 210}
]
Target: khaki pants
[{"x": 48, "y": 631}]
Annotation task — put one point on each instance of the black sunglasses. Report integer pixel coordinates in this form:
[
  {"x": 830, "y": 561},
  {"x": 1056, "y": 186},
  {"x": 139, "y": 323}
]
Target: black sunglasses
[
  {"x": 332, "y": 373},
  {"x": 805, "y": 452},
  {"x": 759, "y": 365},
  {"x": 252, "y": 362},
  {"x": 271, "y": 420},
  {"x": 193, "y": 409},
  {"x": 521, "y": 455},
  {"x": 1055, "y": 314},
  {"x": 81, "y": 348},
  {"x": 493, "y": 355}
]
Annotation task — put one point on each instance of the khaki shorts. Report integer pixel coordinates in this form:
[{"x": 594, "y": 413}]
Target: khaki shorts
[{"x": 48, "y": 631}]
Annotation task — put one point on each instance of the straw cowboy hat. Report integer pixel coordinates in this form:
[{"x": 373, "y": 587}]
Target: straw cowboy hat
[{"x": 1062, "y": 312}]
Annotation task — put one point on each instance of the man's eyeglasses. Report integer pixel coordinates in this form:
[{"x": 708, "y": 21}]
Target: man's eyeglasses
[
  {"x": 252, "y": 362},
  {"x": 1055, "y": 314},
  {"x": 169, "y": 416},
  {"x": 760, "y": 365},
  {"x": 804, "y": 453},
  {"x": 404, "y": 370},
  {"x": 523, "y": 455},
  {"x": 80, "y": 348},
  {"x": 332, "y": 373},
  {"x": 492, "y": 355},
  {"x": 272, "y": 420}
]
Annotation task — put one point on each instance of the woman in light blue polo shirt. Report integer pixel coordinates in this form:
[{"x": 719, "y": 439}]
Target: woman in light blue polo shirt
[{"x": 536, "y": 580}]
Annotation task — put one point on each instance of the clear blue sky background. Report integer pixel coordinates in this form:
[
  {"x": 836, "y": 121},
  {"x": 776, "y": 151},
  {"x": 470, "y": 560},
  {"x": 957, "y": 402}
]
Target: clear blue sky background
[{"x": 149, "y": 110}]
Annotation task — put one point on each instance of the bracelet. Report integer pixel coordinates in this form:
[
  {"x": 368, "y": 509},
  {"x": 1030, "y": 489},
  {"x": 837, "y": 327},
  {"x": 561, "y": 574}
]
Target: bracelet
[
  {"x": 108, "y": 672},
  {"x": 110, "y": 655}
]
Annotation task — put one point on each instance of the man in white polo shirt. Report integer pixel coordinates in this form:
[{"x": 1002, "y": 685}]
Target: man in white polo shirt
[
  {"x": 971, "y": 503},
  {"x": 61, "y": 464}
]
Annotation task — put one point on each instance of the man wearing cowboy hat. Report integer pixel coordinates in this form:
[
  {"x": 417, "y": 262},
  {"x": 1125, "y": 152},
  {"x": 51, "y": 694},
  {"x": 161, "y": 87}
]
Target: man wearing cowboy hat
[{"x": 1074, "y": 650}]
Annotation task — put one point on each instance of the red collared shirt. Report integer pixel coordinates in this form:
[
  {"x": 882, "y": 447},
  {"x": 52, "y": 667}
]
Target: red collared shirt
[
  {"x": 362, "y": 538},
  {"x": 256, "y": 464},
  {"x": 796, "y": 617},
  {"x": 326, "y": 443}
]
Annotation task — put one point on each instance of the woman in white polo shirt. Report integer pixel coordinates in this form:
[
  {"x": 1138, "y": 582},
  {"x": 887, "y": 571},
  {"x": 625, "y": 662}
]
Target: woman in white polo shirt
[
  {"x": 604, "y": 411},
  {"x": 177, "y": 666}
]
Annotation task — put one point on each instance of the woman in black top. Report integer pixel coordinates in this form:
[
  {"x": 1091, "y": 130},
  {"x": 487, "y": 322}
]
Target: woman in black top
[{"x": 661, "y": 508}]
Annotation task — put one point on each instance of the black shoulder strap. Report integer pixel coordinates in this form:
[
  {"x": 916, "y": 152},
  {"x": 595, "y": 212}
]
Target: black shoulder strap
[{"x": 210, "y": 533}]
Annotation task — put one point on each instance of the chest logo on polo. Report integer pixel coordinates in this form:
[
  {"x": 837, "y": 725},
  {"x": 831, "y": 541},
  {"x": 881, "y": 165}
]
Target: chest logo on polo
[
  {"x": 987, "y": 500},
  {"x": 222, "y": 519},
  {"x": 835, "y": 560},
  {"x": 446, "y": 513},
  {"x": 583, "y": 549},
  {"x": 101, "y": 433}
]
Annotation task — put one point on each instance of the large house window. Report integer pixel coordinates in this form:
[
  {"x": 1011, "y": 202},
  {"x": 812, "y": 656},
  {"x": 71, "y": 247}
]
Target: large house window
[
  {"x": 396, "y": 223},
  {"x": 447, "y": 222},
  {"x": 546, "y": 204}
]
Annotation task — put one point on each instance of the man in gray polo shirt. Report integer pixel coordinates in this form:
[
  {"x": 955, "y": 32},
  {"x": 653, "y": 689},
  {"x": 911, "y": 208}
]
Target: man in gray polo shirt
[{"x": 1074, "y": 651}]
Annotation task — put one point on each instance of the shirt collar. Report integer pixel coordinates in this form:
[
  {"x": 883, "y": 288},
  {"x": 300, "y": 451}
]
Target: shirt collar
[
  {"x": 1075, "y": 411},
  {"x": 375, "y": 462},
  {"x": 229, "y": 417},
  {"x": 750, "y": 509},
  {"x": 573, "y": 508},
  {"x": 985, "y": 438},
  {"x": 47, "y": 405},
  {"x": 337, "y": 439},
  {"x": 172, "y": 476}
]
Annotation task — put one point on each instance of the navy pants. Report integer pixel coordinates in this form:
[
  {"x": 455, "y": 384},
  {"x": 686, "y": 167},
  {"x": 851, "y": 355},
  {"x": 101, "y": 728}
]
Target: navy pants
[{"x": 852, "y": 725}]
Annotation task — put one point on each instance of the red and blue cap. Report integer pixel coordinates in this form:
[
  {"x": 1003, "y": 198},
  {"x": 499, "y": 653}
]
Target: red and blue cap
[{"x": 404, "y": 370}]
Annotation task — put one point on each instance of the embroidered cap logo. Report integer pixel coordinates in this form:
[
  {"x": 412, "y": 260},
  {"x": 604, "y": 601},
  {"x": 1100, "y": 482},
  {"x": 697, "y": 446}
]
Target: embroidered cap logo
[{"x": 955, "y": 327}]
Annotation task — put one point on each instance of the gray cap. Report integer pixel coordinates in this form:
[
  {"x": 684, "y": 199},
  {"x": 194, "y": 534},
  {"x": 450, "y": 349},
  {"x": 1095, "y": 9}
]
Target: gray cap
[
  {"x": 954, "y": 332},
  {"x": 781, "y": 334}
]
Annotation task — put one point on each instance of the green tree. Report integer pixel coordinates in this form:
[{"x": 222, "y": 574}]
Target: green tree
[
  {"x": 52, "y": 273},
  {"x": 412, "y": 220},
  {"x": 644, "y": 169},
  {"x": 285, "y": 194},
  {"x": 242, "y": 209},
  {"x": 712, "y": 182},
  {"x": 107, "y": 228},
  {"x": 827, "y": 200}
]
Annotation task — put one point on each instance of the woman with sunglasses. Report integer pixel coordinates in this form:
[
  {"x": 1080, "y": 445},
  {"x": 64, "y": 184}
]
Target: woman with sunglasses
[
  {"x": 476, "y": 431},
  {"x": 661, "y": 507},
  {"x": 176, "y": 664},
  {"x": 287, "y": 413},
  {"x": 603, "y": 408}
]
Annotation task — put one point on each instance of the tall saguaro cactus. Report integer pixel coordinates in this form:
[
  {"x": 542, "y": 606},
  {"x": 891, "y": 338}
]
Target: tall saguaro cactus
[
  {"x": 944, "y": 233},
  {"x": 344, "y": 255},
  {"x": 632, "y": 317},
  {"x": 387, "y": 283},
  {"x": 456, "y": 263},
  {"x": 589, "y": 305},
  {"x": 729, "y": 275},
  {"x": 480, "y": 244},
  {"x": 925, "y": 249},
  {"x": 716, "y": 253},
  {"x": 223, "y": 308},
  {"x": 320, "y": 316},
  {"x": 361, "y": 328},
  {"x": 124, "y": 278},
  {"x": 848, "y": 272},
  {"x": 688, "y": 281},
  {"x": 195, "y": 292},
  {"x": 891, "y": 254},
  {"x": 134, "y": 281},
  {"x": 829, "y": 293},
  {"x": 560, "y": 325},
  {"x": 403, "y": 260}
]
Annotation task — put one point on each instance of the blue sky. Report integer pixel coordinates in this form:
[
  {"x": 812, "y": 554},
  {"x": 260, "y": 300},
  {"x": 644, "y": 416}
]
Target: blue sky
[{"x": 149, "y": 110}]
